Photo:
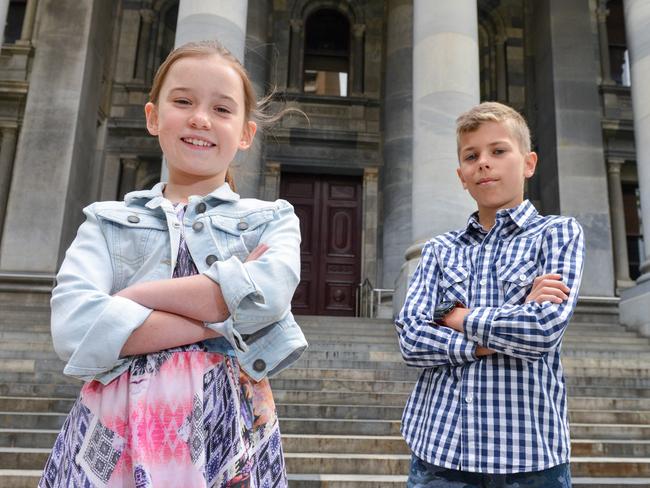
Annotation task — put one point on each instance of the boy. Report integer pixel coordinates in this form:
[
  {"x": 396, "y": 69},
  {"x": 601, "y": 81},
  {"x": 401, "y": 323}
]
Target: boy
[{"x": 484, "y": 318}]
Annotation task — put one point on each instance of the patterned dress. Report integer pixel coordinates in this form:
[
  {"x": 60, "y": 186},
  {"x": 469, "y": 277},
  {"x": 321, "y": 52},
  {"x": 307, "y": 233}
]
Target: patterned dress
[{"x": 187, "y": 416}]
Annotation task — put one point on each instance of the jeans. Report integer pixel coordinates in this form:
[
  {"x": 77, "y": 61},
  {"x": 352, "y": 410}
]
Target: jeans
[{"x": 425, "y": 475}]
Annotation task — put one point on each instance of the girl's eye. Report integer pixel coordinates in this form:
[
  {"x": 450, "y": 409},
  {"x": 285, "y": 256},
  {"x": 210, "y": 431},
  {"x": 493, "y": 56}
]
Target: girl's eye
[
  {"x": 182, "y": 101},
  {"x": 222, "y": 110}
]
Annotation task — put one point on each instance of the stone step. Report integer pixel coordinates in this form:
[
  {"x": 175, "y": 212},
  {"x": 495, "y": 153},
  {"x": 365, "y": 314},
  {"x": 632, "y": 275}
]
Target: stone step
[
  {"x": 342, "y": 385},
  {"x": 609, "y": 431},
  {"x": 69, "y": 390},
  {"x": 609, "y": 416},
  {"x": 43, "y": 438},
  {"x": 19, "y": 478},
  {"x": 377, "y": 481},
  {"x": 395, "y": 464}
]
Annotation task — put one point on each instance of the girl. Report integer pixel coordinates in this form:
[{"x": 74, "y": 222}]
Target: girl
[{"x": 176, "y": 391}]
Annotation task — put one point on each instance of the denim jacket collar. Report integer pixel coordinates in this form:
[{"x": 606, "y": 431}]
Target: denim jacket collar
[{"x": 154, "y": 197}]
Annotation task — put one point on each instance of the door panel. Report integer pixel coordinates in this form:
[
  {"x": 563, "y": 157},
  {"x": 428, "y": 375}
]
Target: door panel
[{"x": 329, "y": 209}]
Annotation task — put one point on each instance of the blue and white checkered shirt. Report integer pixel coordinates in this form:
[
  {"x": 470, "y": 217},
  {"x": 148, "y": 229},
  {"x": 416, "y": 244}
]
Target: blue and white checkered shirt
[{"x": 507, "y": 412}]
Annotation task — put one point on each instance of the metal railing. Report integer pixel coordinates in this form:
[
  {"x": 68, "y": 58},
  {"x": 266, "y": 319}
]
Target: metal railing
[{"x": 369, "y": 299}]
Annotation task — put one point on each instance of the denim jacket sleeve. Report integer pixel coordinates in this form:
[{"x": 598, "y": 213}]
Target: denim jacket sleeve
[
  {"x": 89, "y": 326},
  {"x": 259, "y": 292}
]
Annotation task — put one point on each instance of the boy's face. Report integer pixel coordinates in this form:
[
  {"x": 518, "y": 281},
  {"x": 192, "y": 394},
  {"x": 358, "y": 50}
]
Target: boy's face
[{"x": 493, "y": 167}]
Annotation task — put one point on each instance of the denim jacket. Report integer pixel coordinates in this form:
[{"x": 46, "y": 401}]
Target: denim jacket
[{"x": 137, "y": 240}]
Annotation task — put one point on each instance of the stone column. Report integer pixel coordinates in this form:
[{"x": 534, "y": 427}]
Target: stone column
[
  {"x": 272, "y": 181},
  {"x": 445, "y": 84},
  {"x": 356, "y": 58},
  {"x": 128, "y": 175},
  {"x": 147, "y": 17},
  {"x": 601, "y": 15},
  {"x": 224, "y": 20},
  {"x": 572, "y": 171},
  {"x": 7, "y": 153},
  {"x": 57, "y": 138},
  {"x": 501, "y": 67},
  {"x": 621, "y": 263},
  {"x": 634, "y": 301},
  {"x": 369, "y": 233},
  {"x": 4, "y": 8},
  {"x": 295, "y": 55},
  {"x": 28, "y": 22},
  {"x": 397, "y": 117},
  {"x": 248, "y": 166}
]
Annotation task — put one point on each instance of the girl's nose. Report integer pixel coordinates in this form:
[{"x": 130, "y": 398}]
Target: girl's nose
[{"x": 199, "y": 120}]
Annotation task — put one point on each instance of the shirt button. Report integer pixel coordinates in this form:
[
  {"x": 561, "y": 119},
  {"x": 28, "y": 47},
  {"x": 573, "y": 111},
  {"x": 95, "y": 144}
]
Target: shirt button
[
  {"x": 508, "y": 351},
  {"x": 200, "y": 208},
  {"x": 469, "y": 398},
  {"x": 210, "y": 259},
  {"x": 488, "y": 246},
  {"x": 483, "y": 282},
  {"x": 197, "y": 226},
  {"x": 242, "y": 225},
  {"x": 475, "y": 338},
  {"x": 134, "y": 219},
  {"x": 522, "y": 277},
  {"x": 259, "y": 365}
]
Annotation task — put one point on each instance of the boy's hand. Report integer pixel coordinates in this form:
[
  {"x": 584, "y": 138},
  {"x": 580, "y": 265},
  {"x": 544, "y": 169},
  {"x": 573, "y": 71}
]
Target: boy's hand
[
  {"x": 454, "y": 320},
  {"x": 257, "y": 252},
  {"x": 548, "y": 288}
]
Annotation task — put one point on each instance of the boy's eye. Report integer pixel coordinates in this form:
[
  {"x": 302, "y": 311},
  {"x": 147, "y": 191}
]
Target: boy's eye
[
  {"x": 470, "y": 157},
  {"x": 499, "y": 151}
]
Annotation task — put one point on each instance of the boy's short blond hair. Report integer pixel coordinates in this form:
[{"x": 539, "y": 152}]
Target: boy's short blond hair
[{"x": 494, "y": 112}]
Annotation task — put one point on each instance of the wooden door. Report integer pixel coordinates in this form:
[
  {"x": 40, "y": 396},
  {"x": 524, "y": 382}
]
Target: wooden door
[{"x": 329, "y": 209}]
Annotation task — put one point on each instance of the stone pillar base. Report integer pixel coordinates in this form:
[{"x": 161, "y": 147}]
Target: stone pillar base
[
  {"x": 405, "y": 274},
  {"x": 635, "y": 307}
]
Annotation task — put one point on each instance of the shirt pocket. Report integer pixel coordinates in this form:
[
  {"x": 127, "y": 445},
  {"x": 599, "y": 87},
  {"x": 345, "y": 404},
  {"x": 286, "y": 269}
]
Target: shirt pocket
[
  {"x": 239, "y": 235},
  {"x": 453, "y": 285},
  {"x": 516, "y": 280}
]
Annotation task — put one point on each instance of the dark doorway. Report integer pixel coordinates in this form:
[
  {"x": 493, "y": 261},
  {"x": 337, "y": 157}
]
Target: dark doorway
[{"x": 329, "y": 209}]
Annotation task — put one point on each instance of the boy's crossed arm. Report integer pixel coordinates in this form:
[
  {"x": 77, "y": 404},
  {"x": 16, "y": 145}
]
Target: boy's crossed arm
[
  {"x": 531, "y": 329},
  {"x": 526, "y": 331}
]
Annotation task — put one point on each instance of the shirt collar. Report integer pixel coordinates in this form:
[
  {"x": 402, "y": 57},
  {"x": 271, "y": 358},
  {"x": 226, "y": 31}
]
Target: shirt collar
[
  {"x": 154, "y": 198},
  {"x": 519, "y": 215}
]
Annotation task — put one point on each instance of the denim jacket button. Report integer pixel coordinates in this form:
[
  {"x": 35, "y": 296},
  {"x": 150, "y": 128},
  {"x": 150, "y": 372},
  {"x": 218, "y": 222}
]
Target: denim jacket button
[
  {"x": 242, "y": 226},
  {"x": 200, "y": 208},
  {"x": 197, "y": 226},
  {"x": 134, "y": 219},
  {"x": 210, "y": 259},
  {"x": 259, "y": 365}
]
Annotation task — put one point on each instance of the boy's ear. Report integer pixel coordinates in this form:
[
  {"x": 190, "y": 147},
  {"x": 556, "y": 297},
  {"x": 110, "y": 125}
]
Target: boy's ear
[
  {"x": 530, "y": 163},
  {"x": 460, "y": 177},
  {"x": 247, "y": 135},
  {"x": 151, "y": 113}
]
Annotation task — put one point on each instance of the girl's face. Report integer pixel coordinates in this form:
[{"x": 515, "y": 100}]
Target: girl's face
[{"x": 199, "y": 119}]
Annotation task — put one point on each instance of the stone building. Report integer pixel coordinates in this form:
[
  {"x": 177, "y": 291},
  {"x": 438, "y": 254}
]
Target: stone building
[{"x": 372, "y": 171}]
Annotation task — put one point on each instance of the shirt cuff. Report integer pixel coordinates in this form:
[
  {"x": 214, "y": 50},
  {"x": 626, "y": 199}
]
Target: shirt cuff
[
  {"x": 227, "y": 330},
  {"x": 478, "y": 325},
  {"x": 235, "y": 282},
  {"x": 461, "y": 350}
]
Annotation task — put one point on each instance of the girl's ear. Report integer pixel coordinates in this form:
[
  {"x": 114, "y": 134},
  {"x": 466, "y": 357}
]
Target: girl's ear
[
  {"x": 247, "y": 135},
  {"x": 151, "y": 113}
]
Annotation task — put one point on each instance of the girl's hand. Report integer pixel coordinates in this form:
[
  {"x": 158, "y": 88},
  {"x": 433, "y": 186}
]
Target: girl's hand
[
  {"x": 257, "y": 252},
  {"x": 548, "y": 288}
]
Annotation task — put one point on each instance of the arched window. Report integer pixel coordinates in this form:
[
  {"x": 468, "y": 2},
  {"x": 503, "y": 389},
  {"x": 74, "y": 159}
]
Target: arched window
[
  {"x": 167, "y": 32},
  {"x": 15, "y": 17},
  {"x": 327, "y": 53},
  {"x": 619, "y": 62}
]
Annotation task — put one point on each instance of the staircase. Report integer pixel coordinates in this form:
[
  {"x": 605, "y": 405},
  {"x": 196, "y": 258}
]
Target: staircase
[{"x": 340, "y": 405}]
